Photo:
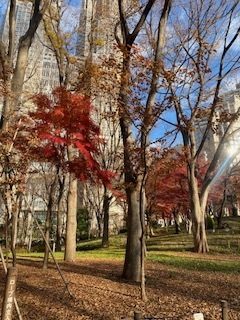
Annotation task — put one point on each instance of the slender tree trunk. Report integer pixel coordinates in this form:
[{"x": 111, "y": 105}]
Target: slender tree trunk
[
  {"x": 28, "y": 226},
  {"x": 48, "y": 222},
  {"x": 14, "y": 223},
  {"x": 7, "y": 237},
  {"x": 99, "y": 223},
  {"x": 106, "y": 206},
  {"x": 60, "y": 214},
  {"x": 29, "y": 242},
  {"x": 47, "y": 237},
  {"x": 59, "y": 230},
  {"x": 71, "y": 228}
]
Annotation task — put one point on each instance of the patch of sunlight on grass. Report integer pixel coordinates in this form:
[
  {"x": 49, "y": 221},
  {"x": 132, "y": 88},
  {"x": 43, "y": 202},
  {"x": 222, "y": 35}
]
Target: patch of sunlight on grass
[
  {"x": 104, "y": 254},
  {"x": 195, "y": 264}
]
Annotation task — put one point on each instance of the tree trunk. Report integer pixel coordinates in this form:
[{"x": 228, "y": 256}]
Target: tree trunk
[
  {"x": 28, "y": 229},
  {"x": 106, "y": 205},
  {"x": 71, "y": 228},
  {"x": 14, "y": 220},
  {"x": 59, "y": 230},
  {"x": 47, "y": 237},
  {"x": 199, "y": 236},
  {"x": 132, "y": 263},
  {"x": 135, "y": 176},
  {"x": 198, "y": 214},
  {"x": 99, "y": 223},
  {"x": 48, "y": 222},
  {"x": 176, "y": 215},
  {"x": 60, "y": 213},
  {"x": 29, "y": 241}
]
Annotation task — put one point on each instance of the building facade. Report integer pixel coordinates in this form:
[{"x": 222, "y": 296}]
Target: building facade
[
  {"x": 95, "y": 40},
  {"x": 42, "y": 72},
  {"x": 230, "y": 107},
  {"x": 229, "y": 113},
  {"x": 97, "y": 44}
]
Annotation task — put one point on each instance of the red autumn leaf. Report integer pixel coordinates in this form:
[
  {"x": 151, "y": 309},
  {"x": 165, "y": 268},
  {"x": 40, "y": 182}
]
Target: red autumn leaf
[{"x": 64, "y": 121}]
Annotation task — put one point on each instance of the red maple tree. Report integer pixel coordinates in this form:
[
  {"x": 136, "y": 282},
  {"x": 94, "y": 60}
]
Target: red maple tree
[
  {"x": 63, "y": 121},
  {"x": 167, "y": 184}
]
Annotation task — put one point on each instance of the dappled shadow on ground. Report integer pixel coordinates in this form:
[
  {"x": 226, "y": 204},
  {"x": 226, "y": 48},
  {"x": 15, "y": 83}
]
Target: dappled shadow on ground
[{"x": 100, "y": 292}]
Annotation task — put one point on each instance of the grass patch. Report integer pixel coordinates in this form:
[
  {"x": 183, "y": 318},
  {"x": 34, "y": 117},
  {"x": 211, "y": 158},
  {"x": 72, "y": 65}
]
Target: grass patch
[
  {"x": 195, "y": 264},
  {"x": 167, "y": 248}
]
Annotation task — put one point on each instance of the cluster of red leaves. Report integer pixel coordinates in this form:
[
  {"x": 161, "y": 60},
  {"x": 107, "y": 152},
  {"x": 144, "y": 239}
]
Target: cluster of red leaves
[
  {"x": 64, "y": 121},
  {"x": 167, "y": 185}
]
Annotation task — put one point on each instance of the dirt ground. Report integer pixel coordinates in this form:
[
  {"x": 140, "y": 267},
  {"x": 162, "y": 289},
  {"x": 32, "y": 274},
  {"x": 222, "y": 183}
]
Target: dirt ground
[{"x": 100, "y": 293}]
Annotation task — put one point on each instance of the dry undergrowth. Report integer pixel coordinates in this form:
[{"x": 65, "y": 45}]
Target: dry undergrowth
[{"x": 100, "y": 292}]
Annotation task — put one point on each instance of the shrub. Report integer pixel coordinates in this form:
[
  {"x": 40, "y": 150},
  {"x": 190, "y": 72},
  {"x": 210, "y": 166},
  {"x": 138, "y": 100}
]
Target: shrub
[{"x": 209, "y": 222}]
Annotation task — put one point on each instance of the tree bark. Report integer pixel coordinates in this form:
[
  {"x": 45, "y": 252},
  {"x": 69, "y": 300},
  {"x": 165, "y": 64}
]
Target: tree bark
[
  {"x": 106, "y": 206},
  {"x": 47, "y": 237},
  {"x": 59, "y": 231},
  {"x": 198, "y": 214},
  {"x": 132, "y": 263},
  {"x": 71, "y": 228},
  {"x": 135, "y": 177},
  {"x": 48, "y": 221}
]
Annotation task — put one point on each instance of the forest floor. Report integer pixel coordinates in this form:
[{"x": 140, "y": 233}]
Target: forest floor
[{"x": 100, "y": 293}]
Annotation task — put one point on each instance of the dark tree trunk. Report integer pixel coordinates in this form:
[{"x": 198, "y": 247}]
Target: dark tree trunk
[
  {"x": 106, "y": 205},
  {"x": 132, "y": 263},
  {"x": 176, "y": 220},
  {"x": 61, "y": 183},
  {"x": 99, "y": 224},
  {"x": 59, "y": 231}
]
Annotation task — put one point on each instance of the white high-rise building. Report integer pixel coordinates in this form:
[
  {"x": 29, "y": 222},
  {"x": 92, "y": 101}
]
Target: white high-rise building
[
  {"x": 96, "y": 27},
  {"x": 96, "y": 42},
  {"x": 42, "y": 71},
  {"x": 231, "y": 104}
]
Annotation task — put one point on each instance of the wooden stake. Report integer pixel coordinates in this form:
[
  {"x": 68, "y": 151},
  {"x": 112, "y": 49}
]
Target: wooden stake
[
  {"x": 137, "y": 315},
  {"x": 5, "y": 269},
  {"x": 224, "y": 306},
  {"x": 9, "y": 293}
]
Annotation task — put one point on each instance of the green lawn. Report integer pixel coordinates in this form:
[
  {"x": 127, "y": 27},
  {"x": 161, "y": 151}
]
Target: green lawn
[{"x": 169, "y": 248}]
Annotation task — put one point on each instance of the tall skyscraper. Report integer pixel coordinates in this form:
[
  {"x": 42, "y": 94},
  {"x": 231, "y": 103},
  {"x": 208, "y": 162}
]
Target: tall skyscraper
[
  {"x": 96, "y": 43},
  {"x": 96, "y": 27},
  {"x": 42, "y": 71}
]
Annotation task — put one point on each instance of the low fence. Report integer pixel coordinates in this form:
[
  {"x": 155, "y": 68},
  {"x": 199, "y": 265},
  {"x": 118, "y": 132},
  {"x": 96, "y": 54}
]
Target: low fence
[{"x": 197, "y": 316}]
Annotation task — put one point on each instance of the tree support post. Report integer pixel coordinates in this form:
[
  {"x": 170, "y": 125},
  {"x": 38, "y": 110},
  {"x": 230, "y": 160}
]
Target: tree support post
[
  {"x": 224, "y": 306},
  {"x": 137, "y": 315},
  {"x": 50, "y": 250},
  {"x": 5, "y": 269},
  {"x": 9, "y": 294}
]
